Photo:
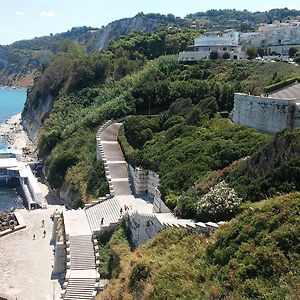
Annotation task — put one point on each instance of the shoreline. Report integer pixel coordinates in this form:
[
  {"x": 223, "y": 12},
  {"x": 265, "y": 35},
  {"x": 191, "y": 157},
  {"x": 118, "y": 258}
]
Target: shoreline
[
  {"x": 13, "y": 133},
  {"x": 12, "y": 87}
]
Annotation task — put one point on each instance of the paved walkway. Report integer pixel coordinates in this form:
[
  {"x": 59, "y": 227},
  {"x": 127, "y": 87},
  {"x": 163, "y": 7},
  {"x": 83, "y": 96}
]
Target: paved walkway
[
  {"x": 115, "y": 160},
  {"x": 26, "y": 264},
  {"x": 290, "y": 92}
]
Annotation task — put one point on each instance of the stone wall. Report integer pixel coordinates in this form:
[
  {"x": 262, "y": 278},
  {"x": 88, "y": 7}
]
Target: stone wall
[
  {"x": 143, "y": 227},
  {"x": 147, "y": 182},
  {"x": 59, "y": 245},
  {"x": 266, "y": 114}
]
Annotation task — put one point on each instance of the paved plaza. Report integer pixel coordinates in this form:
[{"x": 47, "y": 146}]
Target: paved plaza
[{"x": 26, "y": 264}]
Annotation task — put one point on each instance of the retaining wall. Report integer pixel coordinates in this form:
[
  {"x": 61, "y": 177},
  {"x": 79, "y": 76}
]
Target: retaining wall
[{"x": 266, "y": 114}]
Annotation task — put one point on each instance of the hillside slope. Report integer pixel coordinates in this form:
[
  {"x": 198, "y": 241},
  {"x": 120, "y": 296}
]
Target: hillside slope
[
  {"x": 255, "y": 256},
  {"x": 273, "y": 170},
  {"x": 20, "y": 60},
  {"x": 77, "y": 92}
]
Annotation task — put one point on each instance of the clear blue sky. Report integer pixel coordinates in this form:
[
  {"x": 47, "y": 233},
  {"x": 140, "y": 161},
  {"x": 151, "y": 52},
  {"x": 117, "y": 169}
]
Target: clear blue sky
[{"x": 23, "y": 19}]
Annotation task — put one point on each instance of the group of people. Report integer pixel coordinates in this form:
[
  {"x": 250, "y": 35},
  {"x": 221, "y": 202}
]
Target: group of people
[
  {"x": 44, "y": 232},
  {"x": 126, "y": 208}
]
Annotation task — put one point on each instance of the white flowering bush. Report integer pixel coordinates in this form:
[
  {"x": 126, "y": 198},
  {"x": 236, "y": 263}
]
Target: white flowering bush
[{"x": 221, "y": 202}]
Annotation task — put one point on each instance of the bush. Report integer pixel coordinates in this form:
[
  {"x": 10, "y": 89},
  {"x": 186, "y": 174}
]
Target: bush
[
  {"x": 292, "y": 51},
  {"x": 140, "y": 272},
  {"x": 281, "y": 84},
  {"x": 213, "y": 55},
  {"x": 226, "y": 55},
  {"x": 97, "y": 184},
  {"x": 220, "y": 203}
]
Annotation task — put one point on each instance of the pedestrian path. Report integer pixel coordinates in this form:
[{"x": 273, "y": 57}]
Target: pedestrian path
[
  {"x": 113, "y": 158},
  {"x": 82, "y": 278}
]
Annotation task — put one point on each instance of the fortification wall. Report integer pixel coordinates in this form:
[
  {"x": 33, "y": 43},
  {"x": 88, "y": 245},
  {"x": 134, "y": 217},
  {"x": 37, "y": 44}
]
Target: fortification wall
[
  {"x": 265, "y": 114},
  {"x": 147, "y": 182}
]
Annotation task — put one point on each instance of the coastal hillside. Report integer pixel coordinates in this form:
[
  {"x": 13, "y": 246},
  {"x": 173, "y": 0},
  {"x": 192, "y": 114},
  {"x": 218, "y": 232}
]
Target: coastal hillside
[
  {"x": 20, "y": 61},
  {"x": 78, "y": 91},
  {"x": 255, "y": 256},
  {"x": 176, "y": 123}
]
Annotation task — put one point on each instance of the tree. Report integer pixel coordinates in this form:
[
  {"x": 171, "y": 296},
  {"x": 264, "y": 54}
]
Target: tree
[
  {"x": 251, "y": 52},
  {"x": 226, "y": 55},
  {"x": 214, "y": 55},
  {"x": 261, "y": 52},
  {"x": 297, "y": 59},
  {"x": 292, "y": 52}
]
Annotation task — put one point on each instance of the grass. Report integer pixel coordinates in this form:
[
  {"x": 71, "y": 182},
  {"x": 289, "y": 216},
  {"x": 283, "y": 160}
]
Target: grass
[{"x": 255, "y": 256}]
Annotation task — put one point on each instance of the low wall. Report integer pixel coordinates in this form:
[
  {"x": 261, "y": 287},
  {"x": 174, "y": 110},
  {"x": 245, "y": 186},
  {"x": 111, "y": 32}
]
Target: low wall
[
  {"x": 159, "y": 205},
  {"x": 59, "y": 243}
]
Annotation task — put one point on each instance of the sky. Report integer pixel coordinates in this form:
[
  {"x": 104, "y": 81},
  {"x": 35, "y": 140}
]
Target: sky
[{"x": 25, "y": 19}]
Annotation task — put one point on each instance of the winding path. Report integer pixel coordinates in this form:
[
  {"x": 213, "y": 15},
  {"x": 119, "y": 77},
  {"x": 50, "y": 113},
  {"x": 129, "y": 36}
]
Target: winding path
[{"x": 115, "y": 161}]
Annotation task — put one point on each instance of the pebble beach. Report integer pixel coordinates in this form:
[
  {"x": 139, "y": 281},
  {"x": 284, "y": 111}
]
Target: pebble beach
[{"x": 12, "y": 131}]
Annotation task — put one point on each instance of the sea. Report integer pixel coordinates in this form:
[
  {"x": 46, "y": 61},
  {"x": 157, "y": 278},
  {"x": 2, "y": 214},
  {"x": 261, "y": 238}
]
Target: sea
[{"x": 11, "y": 103}]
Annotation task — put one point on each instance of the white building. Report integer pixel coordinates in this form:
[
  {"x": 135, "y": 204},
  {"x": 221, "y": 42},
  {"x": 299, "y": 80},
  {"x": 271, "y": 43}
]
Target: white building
[
  {"x": 274, "y": 38},
  {"x": 277, "y": 37},
  {"x": 220, "y": 42}
]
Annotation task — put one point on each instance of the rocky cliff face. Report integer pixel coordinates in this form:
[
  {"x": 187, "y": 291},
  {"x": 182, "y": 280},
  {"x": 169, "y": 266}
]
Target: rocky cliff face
[
  {"x": 33, "y": 116},
  {"x": 123, "y": 27},
  {"x": 20, "y": 60}
]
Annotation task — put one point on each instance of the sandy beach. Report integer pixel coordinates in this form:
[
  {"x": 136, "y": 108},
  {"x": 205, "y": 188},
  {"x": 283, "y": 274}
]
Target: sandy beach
[{"x": 12, "y": 131}]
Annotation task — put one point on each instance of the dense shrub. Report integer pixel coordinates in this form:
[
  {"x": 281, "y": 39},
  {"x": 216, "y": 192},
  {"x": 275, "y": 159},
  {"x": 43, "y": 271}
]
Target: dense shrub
[{"x": 220, "y": 203}]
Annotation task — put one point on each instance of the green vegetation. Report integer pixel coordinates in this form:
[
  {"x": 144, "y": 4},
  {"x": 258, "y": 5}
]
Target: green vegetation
[
  {"x": 189, "y": 150},
  {"x": 113, "y": 250},
  {"x": 273, "y": 170},
  {"x": 93, "y": 88},
  {"x": 255, "y": 256},
  {"x": 281, "y": 84},
  {"x": 89, "y": 89},
  {"x": 210, "y": 169}
]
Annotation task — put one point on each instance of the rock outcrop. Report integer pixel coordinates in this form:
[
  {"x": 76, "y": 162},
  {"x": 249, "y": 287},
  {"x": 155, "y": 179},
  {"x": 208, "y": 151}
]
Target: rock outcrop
[{"x": 124, "y": 27}]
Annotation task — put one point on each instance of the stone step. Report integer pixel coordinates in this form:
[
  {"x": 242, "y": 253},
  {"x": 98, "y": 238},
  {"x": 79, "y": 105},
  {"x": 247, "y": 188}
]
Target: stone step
[{"x": 109, "y": 210}]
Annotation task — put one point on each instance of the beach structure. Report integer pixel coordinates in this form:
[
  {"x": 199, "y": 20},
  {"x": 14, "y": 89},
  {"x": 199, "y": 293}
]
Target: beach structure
[{"x": 12, "y": 168}]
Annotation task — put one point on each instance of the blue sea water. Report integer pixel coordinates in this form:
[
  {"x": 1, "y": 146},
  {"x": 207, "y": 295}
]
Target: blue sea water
[{"x": 11, "y": 103}]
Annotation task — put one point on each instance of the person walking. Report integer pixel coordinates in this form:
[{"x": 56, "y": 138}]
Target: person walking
[
  {"x": 44, "y": 233},
  {"x": 33, "y": 237},
  {"x": 43, "y": 223}
]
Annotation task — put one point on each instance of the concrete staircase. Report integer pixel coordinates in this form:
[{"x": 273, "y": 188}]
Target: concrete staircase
[
  {"x": 146, "y": 226},
  {"x": 82, "y": 278},
  {"x": 108, "y": 209},
  {"x": 80, "y": 289},
  {"x": 109, "y": 151},
  {"x": 82, "y": 254}
]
